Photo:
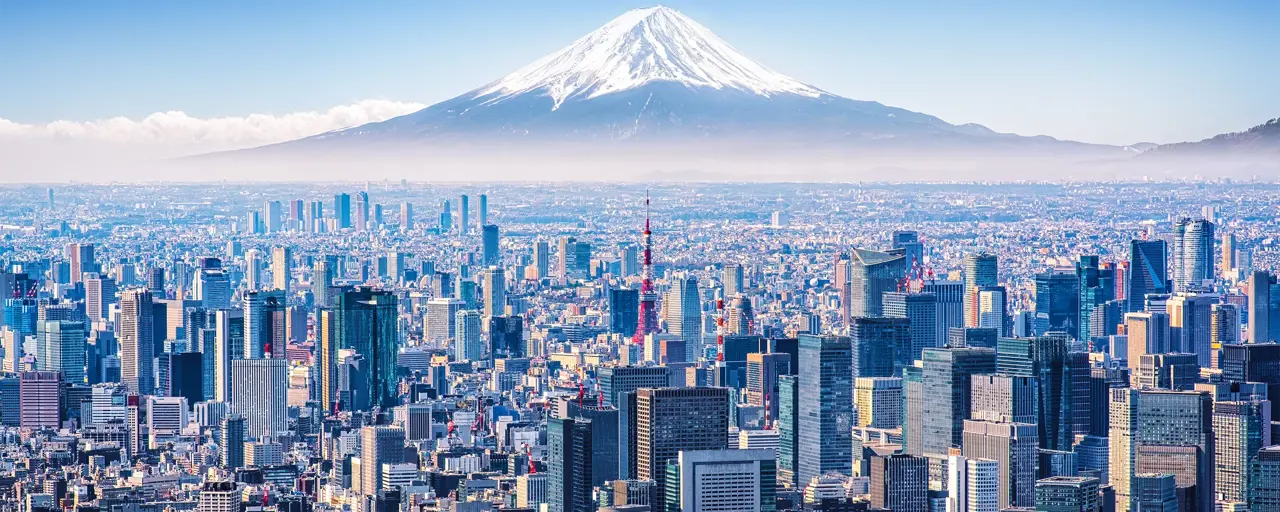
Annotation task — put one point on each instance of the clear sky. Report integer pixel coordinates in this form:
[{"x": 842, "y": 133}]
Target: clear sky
[{"x": 1095, "y": 71}]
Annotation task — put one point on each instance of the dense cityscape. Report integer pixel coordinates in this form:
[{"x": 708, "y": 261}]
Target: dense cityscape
[{"x": 402, "y": 346}]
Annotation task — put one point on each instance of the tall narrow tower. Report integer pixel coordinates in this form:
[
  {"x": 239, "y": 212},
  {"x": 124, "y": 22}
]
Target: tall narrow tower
[{"x": 648, "y": 299}]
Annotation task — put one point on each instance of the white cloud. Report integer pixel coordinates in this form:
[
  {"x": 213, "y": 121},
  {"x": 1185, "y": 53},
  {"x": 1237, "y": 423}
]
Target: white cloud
[{"x": 177, "y": 129}]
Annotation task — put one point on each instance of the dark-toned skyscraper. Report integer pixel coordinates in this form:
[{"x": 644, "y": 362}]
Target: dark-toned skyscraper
[
  {"x": 366, "y": 321},
  {"x": 871, "y": 274},
  {"x": 922, "y": 311},
  {"x": 788, "y": 429},
  {"x": 342, "y": 210},
  {"x": 669, "y": 420},
  {"x": 569, "y": 455},
  {"x": 624, "y": 310},
  {"x": 1057, "y": 302},
  {"x": 825, "y": 407},
  {"x": 490, "y": 248},
  {"x": 1045, "y": 358},
  {"x": 1261, "y": 310},
  {"x": 876, "y": 343},
  {"x": 1097, "y": 286},
  {"x": 1148, "y": 261},
  {"x": 506, "y": 336}
]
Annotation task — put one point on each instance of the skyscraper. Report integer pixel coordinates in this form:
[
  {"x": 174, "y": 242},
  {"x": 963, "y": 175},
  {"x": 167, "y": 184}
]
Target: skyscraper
[
  {"x": 825, "y": 407},
  {"x": 342, "y": 210},
  {"x": 367, "y": 322},
  {"x": 406, "y": 216},
  {"x": 1148, "y": 333},
  {"x": 378, "y": 445},
  {"x": 64, "y": 343},
  {"x": 1240, "y": 429},
  {"x": 484, "y": 209},
  {"x": 441, "y": 324},
  {"x": 99, "y": 295},
  {"x": 506, "y": 337},
  {"x": 40, "y": 399},
  {"x": 909, "y": 243},
  {"x": 137, "y": 341},
  {"x": 467, "y": 343},
  {"x": 231, "y": 443},
  {"x": 1045, "y": 358},
  {"x": 1192, "y": 254},
  {"x": 920, "y": 309},
  {"x": 671, "y": 420},
  {"x": 228, "y": 345},
  {"x": 81, "y": 260},
  {"x": 1228, "y": 261},
  {"x": 569, "y": 455},
  {"x": 464, "y": 214},
  {"x": 362, "y": 220},
  {"x": 264, "y": 325},
  {"x": 733, "y": 280},
  {"x": 624, "y": 310},
  {"x": 494, "y": 282},
  {"x": 877, "y": 345},
  {"x": 878, "y": 401},
  {"x": 1097, "y": 286},
  {"x": 979, "y": 270},
  {"x": 1190, "y": 325},
  {"x": 541, "y": 259},
  {"x": 899, "y": 482},
  {"x": 259, "y": 389},
  {"x": 489, "y": 246},
  {"x": 1148, "y": 429},
  {"x": 684, "y": 313},
  {"x": 1000, "y": 397},
  {"x": 1148, "y": 260},
  {"x": 973, "y": 485},
  {"x": 727, "y": 480},
  {"x": 946, "y": 378},
  {"x": 1014, "y": 448},
  {"x": 788, "y": 429},
  {"x": 1057, "y": 302},
  {"x": 281, "y": 269},
  {"x": 1067, "y": 494},
  {"x": 871, "y": 274},
  {"x": 1261, "y": 310}
]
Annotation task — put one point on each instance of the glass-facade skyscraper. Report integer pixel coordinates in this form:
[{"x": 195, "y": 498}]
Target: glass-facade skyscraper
[
  {"x": 825, "y": 407},
  {"x": 366, "y": 321}
]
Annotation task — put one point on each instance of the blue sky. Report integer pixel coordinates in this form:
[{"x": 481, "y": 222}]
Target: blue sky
[{"x": 1112, "y": 72}]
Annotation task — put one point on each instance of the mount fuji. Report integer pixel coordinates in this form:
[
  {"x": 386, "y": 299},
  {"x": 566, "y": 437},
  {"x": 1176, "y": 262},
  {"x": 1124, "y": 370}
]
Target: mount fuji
[{"x": 654, "y": 77}]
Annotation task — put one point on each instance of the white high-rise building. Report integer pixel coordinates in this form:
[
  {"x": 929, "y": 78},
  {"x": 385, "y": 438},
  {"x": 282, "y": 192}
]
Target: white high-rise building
[
  {"x": 1192, "y": 254},
  {"x": 879, "y": 401},
  {"x": 442, "y": 314},
  {"x": 684, "y": 314},
  {"x": 973, "y": 485},
  {"x": 724, "y": 479},
  {"x": 259, "y": 391}
]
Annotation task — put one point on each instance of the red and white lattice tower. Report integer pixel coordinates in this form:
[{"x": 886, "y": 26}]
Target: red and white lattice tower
[
  {"x": 720, "y": 330},
  {"x": 648, "y": 317}
]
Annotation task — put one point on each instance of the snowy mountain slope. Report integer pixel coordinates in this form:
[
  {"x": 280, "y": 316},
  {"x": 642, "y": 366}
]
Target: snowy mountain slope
[{"x": 654, "y": 75}]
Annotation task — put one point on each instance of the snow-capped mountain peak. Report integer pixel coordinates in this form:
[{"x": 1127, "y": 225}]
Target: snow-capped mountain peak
[{"x": 639, "y": 47}]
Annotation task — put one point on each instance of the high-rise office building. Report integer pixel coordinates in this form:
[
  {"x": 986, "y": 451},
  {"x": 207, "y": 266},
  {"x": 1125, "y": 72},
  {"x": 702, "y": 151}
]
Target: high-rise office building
[
  {"x": 671, "y": 420},
  {"x": 264, "y": 325},
  {"x": 494, "y": 282},
  {"x": 899, "y": 482},
  {"x": 406, "y": 217},
  {"x": 259, "y": 391},
  {"x": 1014, "y": 447},
  {"x": 1000, "y": 397},
  {"x": 81, "y": 259},
  {"x": 1161, "y": 429},
  {"x": 762, "y": 372},
  {"x": 979, "y": 270},
  {"x": 379, "y": 445},
  {"x": 1166, "y": 371},
  {"x": 231, "y": 445},
  {"x": 467, "y": 343},
  {"x": 1261, "y": 310},
  {"x": 1057, "y": 302},
  {"x": 1148, "y": 263},
  {"x": 973, "y": 485},
  {"x": 1240, "y": 429},
  {"x": 880, "y": 345},
  {"x": 683, "y": 310},
  {"x": 727, "y": 480},
  {"x": 624, "y": 310},
  {"x": 825, "y": 407},
  {"x": 870, "y": 275},
  {"x": 1192, "y": 254},
  {"x": 490, "y": 249},
  {"x": 911, "y": 246},
  {"x": 281, "y": 268},
  {"x": 464, "y": 214},
  {"x": 1148, "y": 333},
  {"x": 570, "y": 457},
  {"x": 506, "y": 337},
  {"x": 921, "y": 309},
  {"x": 1097, "y": 286},
  {"x": 342, "y": 210},
  {"x": 733, "y": 280},
  {"x": 1264, "y": 481},
  {"x": 219, "y": 497},
  {"x": 228, "y": 345},
  {"x": 541, "y": 259},
  {"x": 362, "y": 217},
  {"x": 39, "y": 399},
  {"x": 441, "y": 324},
  {"x": 1190, "y": 325},
  {"x": 945, "y": 376},
  {"x": 1045, "y": 358},
  {"x": 367, "y": 321},
  {"x": 212, "y": 285},
  {"x": 788, "y": 429},
  {"x": 64, "y": 348},
  {"x": 1067, "y": 494},
  {"x": 1152, "y": 492},
  {"x": 99, "y": 295},
  {"x": 137, "y": 341},
  {"x": 878, "y": 401},
  {"x": 1228, "y": 262}
]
